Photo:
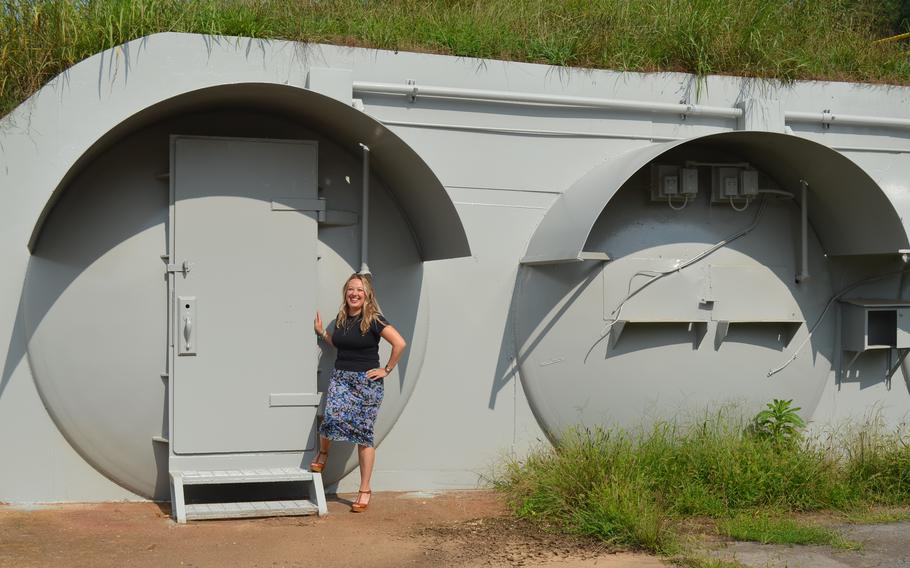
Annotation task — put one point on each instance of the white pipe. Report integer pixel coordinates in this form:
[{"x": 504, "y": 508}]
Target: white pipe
[
  {"x": 804, "y": 222},
  {"x": 878, "y": 149},
  {"x": 365, "y": 213},
  {"x": 846, "y": 119},
  {"x": 415, "y": 91},
  {"x": 529, "y": 131},
  {"x": 780, "y": 192}
]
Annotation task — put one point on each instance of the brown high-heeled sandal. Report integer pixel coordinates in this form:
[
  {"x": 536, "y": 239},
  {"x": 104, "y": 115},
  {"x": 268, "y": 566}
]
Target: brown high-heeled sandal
[
  {"x": 317, "y": 466},
  {"x": 357, "y": 506}
]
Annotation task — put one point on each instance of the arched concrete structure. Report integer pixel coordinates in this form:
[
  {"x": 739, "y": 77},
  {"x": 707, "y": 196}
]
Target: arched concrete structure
[
  {"x": 98, "y": 249},
  {"x": 739, "y": 308},
  {"x": 841, "y": 193},
  {"x": 418, "y": 192}
]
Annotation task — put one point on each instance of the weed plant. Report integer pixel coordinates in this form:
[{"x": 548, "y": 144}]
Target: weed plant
[
  {"x": 631, "y": 488},
  {"x": 776, "y": 39}
]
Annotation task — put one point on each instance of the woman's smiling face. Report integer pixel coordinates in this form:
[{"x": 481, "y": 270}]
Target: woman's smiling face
[{"x": 355, "y": 295}]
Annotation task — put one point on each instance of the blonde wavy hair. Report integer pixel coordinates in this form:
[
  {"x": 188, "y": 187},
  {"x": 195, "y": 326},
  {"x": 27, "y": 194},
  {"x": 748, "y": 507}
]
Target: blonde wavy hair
[{"x": 371, "y": 310}]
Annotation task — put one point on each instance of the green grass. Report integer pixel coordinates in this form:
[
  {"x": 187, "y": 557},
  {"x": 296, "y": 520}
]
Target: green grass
[
  {"x": 632, "y": 489},
  {"x": 775, "y": 529},
  {"x": 778, "y": 39},
  {"x": 878, "y": 516}
]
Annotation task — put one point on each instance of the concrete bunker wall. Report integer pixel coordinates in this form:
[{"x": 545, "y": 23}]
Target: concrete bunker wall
[
  {"x": 83, "y": 157},
  {"x": 616, "y": 275}
]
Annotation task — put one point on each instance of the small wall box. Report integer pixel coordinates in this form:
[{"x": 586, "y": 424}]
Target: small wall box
[{"x": 875, "y": 324}]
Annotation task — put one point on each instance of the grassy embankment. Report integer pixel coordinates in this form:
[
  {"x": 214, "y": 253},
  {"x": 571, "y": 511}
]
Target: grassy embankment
[
  {"x": 636, "y": 490},
  {"x": 778, "y": 39}
]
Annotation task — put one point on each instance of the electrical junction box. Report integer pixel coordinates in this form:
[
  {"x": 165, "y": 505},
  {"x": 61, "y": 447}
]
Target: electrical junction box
[
  {"x": 670, "y": 186},
  {"x": 737, "y": 184},
  {"x": 875, "y": 324},
  {"x": 727, "y": 182},
  {"x": 748, "y": 183},
  {"x": 664, "y": 182},
  {"x": 670, "y": 182},
  {"x": 689, "y": 185}
]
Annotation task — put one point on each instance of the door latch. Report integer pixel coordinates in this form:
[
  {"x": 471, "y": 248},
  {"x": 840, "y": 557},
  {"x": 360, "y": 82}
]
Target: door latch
[
  {"x": 187, "y": 325},
  {"x": 184, "y": 268}
]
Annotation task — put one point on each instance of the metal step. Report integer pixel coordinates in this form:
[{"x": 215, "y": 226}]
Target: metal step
[
  {"x": 184, "y": 512},
  {"x": 250, "y": 509},
  {"x": 272, "y": 475}
]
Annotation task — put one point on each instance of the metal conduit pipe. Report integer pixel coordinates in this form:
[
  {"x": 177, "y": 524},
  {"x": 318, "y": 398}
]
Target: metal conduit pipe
[
  {"x": 846, "y": 119},
  {"x": 529, "y": 131},
  {"x": 413, "y": 91},
  {"x": 804, "y": 232},
  {"x": 365, "y": 213}
]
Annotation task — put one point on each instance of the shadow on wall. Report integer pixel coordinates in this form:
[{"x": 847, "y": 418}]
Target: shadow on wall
[
  {"x": 15, "y": 351},
  {"x": 507, "y": 367},
  {"x": 401, "y": 287}
]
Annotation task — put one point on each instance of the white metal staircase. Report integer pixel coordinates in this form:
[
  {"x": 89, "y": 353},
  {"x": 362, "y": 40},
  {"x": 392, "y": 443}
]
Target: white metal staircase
[{"x": 315, "y": 504}]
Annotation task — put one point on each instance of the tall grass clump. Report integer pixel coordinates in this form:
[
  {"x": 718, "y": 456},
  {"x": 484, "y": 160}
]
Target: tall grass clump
[
  {"x": 775, "y": 39},
  {"x": 878, "y": 464},
  {"x": 630, "y": 488}
]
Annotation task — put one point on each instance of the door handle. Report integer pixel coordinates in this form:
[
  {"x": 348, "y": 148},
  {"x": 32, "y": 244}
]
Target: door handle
[
  {"x": 187, "y": 322},
  {"x": 187, "y": 332}
]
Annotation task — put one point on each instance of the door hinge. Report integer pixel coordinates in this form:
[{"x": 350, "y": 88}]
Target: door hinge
[{"x": 184, "y": 268}]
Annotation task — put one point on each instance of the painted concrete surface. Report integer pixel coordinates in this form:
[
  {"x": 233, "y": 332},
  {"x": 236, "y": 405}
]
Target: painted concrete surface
[{"x": 465, "y": 399}]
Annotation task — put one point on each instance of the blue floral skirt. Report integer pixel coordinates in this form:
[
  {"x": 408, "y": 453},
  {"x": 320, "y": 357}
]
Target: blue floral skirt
[{"x": 351, "y": 406}]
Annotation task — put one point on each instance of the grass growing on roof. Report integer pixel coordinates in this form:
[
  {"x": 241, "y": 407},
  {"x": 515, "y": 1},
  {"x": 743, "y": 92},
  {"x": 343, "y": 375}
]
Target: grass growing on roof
[
  {"x": 632, "y": 488},
  {"x": 777, "y": 39}
]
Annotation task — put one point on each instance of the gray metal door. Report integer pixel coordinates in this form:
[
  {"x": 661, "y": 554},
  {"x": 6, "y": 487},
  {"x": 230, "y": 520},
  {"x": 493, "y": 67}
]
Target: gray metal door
[{"x": 243, "y": 262}]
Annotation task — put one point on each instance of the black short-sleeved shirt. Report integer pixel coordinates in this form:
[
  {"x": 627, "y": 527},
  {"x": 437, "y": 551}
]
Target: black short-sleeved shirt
[{"x": 358, "y": 352}]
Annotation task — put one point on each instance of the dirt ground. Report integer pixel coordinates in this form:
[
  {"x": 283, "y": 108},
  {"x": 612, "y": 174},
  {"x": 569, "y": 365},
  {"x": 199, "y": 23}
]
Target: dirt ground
[{"x": 467, "y": 529}]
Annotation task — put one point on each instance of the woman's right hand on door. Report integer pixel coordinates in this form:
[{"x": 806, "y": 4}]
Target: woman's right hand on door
[{"x": 317, "y": 325}]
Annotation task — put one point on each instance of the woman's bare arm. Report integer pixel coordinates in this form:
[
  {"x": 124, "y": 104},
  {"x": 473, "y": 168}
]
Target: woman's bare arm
[
  {"x": 391, "y": 335},
  {"x": 321, "y": 331}
]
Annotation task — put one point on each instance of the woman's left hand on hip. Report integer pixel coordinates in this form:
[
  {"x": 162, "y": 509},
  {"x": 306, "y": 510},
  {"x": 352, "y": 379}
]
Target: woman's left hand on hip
[{"x": 376, "y": 374}]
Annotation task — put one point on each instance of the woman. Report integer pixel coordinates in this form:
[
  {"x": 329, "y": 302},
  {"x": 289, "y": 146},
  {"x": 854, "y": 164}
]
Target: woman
[{"x": 355, "y": 390}]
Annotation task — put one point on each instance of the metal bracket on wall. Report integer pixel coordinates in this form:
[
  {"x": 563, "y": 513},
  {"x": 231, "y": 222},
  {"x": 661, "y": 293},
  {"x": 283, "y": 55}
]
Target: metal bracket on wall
[
  {"x": 892, "y": 368},
  {"x": 585, "y": 256},
  {"x": 594, "y": 256},
  {"x": 852, "y": 360},
  {"x": 616, "y": 330},
  {"x": 185, "y": 267},
  {"x": 720, "y": 333},
  {"x": 338, "y": 218},
  {"x": 297, "y": 204},
  {"x": 698, "y": 329}
]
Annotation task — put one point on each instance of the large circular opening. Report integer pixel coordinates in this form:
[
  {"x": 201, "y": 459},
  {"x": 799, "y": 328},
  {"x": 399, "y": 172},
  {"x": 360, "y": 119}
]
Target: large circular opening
[
  {"x": 95, "y": 301},
  {"x": 704, "y": 293}
]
